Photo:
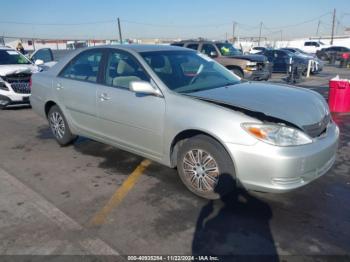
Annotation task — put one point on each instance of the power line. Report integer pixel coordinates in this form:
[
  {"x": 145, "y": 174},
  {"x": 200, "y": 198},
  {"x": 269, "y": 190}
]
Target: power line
[{"x": 302, "y": 23}]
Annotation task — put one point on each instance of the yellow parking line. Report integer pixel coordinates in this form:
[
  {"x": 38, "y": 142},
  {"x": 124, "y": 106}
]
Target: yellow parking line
[{"x": 118, "y": 196}]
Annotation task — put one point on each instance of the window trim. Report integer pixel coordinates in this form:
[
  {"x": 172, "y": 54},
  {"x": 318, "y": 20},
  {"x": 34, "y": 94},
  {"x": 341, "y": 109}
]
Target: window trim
[{"x": 75, "y": 58}]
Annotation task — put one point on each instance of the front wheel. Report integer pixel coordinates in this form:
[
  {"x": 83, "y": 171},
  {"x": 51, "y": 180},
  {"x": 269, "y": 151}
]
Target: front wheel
[
  {"x": 238, "y": 72},
  {"x": 59, "y": 126},
  {"x": 205, "y": 167}
]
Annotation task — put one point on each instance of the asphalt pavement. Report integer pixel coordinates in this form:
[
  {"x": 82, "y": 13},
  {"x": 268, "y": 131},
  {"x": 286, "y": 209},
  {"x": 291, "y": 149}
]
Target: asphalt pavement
[{"x": 93, "y": 199}]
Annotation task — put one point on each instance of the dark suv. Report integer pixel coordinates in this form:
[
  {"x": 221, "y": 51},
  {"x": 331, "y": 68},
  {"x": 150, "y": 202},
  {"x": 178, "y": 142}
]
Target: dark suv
[
  {"x": 327, "y": 53},
  {"x": 253, "y": 67}
]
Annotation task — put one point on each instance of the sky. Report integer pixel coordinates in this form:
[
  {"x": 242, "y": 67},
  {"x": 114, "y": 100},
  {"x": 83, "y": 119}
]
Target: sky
[{"x": 92, "y": 19}]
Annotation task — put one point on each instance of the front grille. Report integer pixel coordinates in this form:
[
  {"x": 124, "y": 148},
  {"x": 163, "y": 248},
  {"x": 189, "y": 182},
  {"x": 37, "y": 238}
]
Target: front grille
[
  {"x": 21, "y": 88},
  {"x": 19, "y": 82},
  {"x": 319, "y": 128},
  {"x": 260, "y": 66}
]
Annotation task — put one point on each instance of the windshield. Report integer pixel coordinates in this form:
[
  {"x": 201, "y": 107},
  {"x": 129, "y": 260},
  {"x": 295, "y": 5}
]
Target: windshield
[
  {"x": 228, "y": 49},
  {"x": 12, "y": 57},
  {"x": 188, "y": 71}
]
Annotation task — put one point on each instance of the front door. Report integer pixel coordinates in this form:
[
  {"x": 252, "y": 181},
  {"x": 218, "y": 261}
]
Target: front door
[{"x": 128, "y": 119}]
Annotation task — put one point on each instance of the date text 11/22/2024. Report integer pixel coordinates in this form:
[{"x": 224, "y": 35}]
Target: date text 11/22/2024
[{"x": 173, "y": 258}]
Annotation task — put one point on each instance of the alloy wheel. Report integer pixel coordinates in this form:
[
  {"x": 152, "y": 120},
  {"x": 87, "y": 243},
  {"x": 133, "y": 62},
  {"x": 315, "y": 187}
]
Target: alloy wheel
[
  {"x": 201, "y": 170},
  {"x": 57, "y": 125}
]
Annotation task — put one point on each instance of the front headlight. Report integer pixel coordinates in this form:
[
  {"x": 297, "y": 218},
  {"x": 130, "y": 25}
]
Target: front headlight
[
  {"x": 277, "y": 134},
  {"x": 251, "y": 66},
  {"x": 250, "y": 63},
  {"x": 3, "y": 85}
]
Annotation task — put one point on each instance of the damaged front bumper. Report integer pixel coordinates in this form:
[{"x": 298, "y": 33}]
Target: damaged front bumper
[
  {"x": 262, "y": 71},
  {"x": 268, "y": 168}
]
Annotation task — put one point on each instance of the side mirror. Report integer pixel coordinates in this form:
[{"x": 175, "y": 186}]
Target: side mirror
[
  {"x": 39, "y": 62},
  {"x": 213, "y": 54},
  {"x": 143, "y": 87}
]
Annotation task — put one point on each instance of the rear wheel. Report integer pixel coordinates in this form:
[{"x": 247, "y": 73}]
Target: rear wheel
[
  {"x": 59, "y": 126},
  {"x": 205, "y": 167}
]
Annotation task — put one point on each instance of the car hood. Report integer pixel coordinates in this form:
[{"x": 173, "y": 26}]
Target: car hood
[
  {"x": 253, "y": 58},
  {"x": 295, "y": 105},
  {"x": 18, "y": 69}
]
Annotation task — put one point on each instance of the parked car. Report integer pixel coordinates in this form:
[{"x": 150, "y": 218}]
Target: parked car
[
  {"x": 15, "y": 72},
  {"x": 337, "y": 51},
  {"x": 313, "y": 46},
  {"x": 280, "y": 60},
  {"x": 345, "y": 60},
  {"x": 182, "y": 109},
  {"x": 316, "y": 65},
  {"x": 257, "y": 49},
  {"x": 253, "y": 67}
]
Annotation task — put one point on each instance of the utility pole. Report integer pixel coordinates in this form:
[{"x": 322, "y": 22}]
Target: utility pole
[
  {"x": 233, "y": 32},
  {"x": 318, "y": 27},
  {"x": 120, "y": 32},
  {"x": 333, "y": 25},
  {"x": 261, "y": 23},
  {"x": 281, "y": 35}
]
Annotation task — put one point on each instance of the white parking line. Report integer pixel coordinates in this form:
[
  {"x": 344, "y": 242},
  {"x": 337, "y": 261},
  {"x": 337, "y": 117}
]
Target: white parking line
[{"x": 91, "y": 245}]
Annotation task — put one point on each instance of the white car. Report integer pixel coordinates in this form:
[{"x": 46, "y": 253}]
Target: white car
[
  {"x": 312, "y": 46},
  {"x": 15, "y": 73},
  {"x": 256, "y": 49}
]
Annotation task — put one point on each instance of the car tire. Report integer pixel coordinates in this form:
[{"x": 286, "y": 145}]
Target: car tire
[
  {"x": 238, "y": 72},
  {"x": 59, "y": 126},
  {"x": 196, "y": 156}
]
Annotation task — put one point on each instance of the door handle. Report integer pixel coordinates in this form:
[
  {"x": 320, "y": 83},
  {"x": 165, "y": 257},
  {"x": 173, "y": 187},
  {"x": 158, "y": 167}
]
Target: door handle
[
  {"x": 59, "y": 86},
  {"x": 104, "y": 97}
]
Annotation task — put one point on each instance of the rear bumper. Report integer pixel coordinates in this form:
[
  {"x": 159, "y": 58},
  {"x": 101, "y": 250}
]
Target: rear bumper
[{"x": 269, "y": 168}]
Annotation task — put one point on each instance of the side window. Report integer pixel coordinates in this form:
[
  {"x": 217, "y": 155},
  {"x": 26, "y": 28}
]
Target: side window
[
  {"x": 122, "y": 68},
  {"x": 193, "y": 46},
  {"x": 84, "y": 67},
  {"x": 280, "y": 54},
  {"x": 44, "y": 54},
  {"x": 177, "y": 44},
  {"x": 207, "y": 49}
]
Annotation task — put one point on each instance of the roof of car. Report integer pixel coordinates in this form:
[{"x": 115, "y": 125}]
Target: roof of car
[
  {"x": 144, "y": 48},
  {"x": 199, "y": 41}
]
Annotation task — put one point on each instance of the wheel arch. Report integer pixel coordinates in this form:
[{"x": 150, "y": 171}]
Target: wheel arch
[
  {"x": 231, "y": 67},
  {"x": 48, "y": 106},
  {"x": 188, "y": 133}
]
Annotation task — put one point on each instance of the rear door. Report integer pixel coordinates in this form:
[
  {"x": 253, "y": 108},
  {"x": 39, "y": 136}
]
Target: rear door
[
  {"x": 134, "y": 121},
  {"x": 76, "y": 89}
]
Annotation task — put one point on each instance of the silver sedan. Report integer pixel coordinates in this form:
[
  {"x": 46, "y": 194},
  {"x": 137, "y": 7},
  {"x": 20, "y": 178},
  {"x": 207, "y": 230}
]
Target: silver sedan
[{"x": 182, "y": 109}]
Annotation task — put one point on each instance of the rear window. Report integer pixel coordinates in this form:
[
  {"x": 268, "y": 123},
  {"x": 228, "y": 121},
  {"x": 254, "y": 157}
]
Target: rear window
[
  {"x": 192, "y": 46},
  {"x": 178, "y": 44}
]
